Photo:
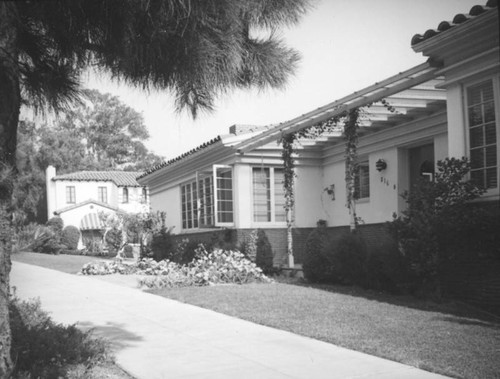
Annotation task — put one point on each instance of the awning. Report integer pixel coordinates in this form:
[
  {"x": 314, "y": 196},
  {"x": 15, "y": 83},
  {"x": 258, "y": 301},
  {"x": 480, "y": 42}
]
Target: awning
[{"x": 91, "y": 221}]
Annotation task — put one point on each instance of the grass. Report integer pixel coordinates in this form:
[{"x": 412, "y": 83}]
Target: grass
[
  {"x": 443, "y": 338},
  {"x": 70, "y": 264}
]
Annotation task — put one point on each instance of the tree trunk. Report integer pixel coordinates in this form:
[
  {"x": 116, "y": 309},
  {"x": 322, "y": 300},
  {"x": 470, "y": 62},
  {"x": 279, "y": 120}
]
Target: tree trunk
[{"x": 10, "y": 103}]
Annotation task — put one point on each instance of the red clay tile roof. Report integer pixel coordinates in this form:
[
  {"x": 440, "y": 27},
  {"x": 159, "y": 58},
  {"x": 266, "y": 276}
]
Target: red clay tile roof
[
  {"x": 457, "y": 20},
  {"x": 120, "y": 178},
  {"x": 180, "y": 157}
]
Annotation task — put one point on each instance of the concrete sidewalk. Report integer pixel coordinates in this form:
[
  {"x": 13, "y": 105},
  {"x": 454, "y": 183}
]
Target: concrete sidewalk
[{"x": 156, "y": 337}]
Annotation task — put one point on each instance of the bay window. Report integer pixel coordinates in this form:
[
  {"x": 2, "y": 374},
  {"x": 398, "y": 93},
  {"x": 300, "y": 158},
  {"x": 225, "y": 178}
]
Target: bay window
[{"x": 207, "y": 201}]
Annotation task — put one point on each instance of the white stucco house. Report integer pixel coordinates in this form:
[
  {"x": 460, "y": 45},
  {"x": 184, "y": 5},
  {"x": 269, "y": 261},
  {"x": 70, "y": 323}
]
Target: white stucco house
[
  {"x": 448, "y": 106},
  {"x": 79, "y": 197}
]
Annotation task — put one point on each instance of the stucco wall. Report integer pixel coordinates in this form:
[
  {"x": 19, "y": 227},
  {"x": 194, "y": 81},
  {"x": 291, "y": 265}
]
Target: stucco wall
[
  {"x": 84, "y": 191},
  {"x": 169, "y": 201}
]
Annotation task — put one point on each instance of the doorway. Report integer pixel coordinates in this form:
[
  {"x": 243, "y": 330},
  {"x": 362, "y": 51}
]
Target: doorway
[{"x": 422, "y": 164}]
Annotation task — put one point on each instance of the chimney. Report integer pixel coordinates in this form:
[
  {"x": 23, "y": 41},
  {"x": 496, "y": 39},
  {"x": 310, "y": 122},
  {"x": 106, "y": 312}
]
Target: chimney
[
  {"x": 238, "y": 129},
  {"x": 50, "y": 186}
]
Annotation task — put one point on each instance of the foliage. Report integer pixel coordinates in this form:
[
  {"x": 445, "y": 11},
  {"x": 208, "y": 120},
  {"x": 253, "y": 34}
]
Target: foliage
[
  {"x": 387, "y": 269},
  {"x": 249, "y": 245},
  {"x": 70, "y": 237},
  {"x": 317, "y": 263},
  {"x": 113, "y": 239},
  {"x": 351, "y": 127},
  {"x": 218, "y": 267},
  {"x": 25, "y": 237},
  {"x": 264, "y": 256},
  {"x": 42, "y": 348},
  {"x": 163, "y": 246},
  {"x": 436, "y": 224},
  {"x": 56, "y": 224},
  {"x": 349, "y": 257},
  {"x": 46, "y": 241}
]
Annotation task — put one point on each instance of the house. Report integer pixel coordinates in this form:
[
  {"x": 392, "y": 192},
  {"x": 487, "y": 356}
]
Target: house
[
  {"x": 79, "y": 197},
  {"x": 448, "y": 106}
]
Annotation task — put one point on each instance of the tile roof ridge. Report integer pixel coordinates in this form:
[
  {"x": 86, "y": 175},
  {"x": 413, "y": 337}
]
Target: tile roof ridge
[
  {"x": 459, "y": 18},
  {"x": 180, "y": 157}
]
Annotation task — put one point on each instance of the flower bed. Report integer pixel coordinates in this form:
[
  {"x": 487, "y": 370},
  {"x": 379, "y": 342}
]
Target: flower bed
[{"x": 217, "y": 267}]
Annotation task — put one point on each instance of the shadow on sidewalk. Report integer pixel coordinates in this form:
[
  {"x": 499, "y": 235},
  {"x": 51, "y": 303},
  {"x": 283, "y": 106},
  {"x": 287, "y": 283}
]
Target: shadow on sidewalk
[{"x": 115, "y": 333}]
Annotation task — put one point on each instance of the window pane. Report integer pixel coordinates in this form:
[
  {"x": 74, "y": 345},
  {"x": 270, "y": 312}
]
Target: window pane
[
  {"x": 476, "y": 136},
  {"x": 261, "y": 195},
  {"x": 476, "y": 158},
  {"x": 489, "y": 112},
  {"x": 475, "y": 115},
  {"x": 491, "y": 156},
  {"x": 362, "y": 181},
  {"x": 490, "y": 134},
  {"x": 224, "y": 180},
  {"x": 491, "y": 178},
  {"x": 279, "y": 196},
  {"x": 477, "y": 177}
]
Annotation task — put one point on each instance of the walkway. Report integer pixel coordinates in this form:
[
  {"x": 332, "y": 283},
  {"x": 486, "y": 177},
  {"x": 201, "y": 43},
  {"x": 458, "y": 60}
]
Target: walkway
[{"x": 156, "y": 337}]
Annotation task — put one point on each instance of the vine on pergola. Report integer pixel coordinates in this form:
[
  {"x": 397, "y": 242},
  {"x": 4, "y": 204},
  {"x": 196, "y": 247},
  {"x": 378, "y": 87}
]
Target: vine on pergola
[{"x": 350, "y": 129}]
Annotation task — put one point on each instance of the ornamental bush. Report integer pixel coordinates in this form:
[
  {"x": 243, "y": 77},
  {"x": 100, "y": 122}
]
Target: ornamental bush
[
  {"x": 70, "y": 237},
  {"x": 317, "y": 262},
  {"x": 264, "y": 254},
  {"x": 162, "y": 245},
  {"x": 56, "y": 224},
  {"x": 113, "y": 239},
  {"x": 349, "y": 259}
]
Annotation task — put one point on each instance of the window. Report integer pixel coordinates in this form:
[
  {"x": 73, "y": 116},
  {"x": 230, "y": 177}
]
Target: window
[
  {"x": 482, "y": 135},
  {"x": 144, "y": 195},
  {"x": 125, "y": 195},
  {"x": 268, "y": 195},
  {"x": 204, "y": 204},
  {"x": 102, "y": 194},
  {"x": 362, "y": 181},
  {"x": 70, "y": 195}
]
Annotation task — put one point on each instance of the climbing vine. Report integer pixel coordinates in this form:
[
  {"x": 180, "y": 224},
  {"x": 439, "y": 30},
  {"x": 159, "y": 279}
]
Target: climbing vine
[{"x": 351, "y": 127}]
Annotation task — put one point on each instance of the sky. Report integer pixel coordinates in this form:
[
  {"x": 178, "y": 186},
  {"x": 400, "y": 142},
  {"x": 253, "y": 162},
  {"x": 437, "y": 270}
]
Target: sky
[{"x": 346, "y": 45}]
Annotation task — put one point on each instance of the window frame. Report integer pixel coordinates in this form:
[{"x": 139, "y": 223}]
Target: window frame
[
  {"x": 205, "y": 214},
  {"x": 102, "y": 194},
  {"x": 272, "y": 194},
  {"x": 358, "y": 185},
  {"x": 125, "y": 195},
  {"x": 71, "y": 191},
  {"x": 495, "y": 82}
]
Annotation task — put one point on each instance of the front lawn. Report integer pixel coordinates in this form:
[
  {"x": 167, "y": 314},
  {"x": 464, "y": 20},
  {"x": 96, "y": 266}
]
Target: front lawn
[{"x": 443, "y": 338}]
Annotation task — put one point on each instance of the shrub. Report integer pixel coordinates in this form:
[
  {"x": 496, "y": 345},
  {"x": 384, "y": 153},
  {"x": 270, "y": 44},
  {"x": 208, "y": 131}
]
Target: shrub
[
  {"x": 113, "y": 240},
  {"x": 264, "y": 253},
  {"x": 436, "y": 225},
  {"x": 349, "y": 259},
  {"x": 162, "y": 245},
  {"x": 56, "y": 224},
  {"x": 317, "y": 262},
  {"x": 70, "y": 237},
  {"x": 42, "y": 348},
  {"x": 25, "y": 237},
  {"x": 387, "y": 269},
  {"x": 46, "y": 241}
]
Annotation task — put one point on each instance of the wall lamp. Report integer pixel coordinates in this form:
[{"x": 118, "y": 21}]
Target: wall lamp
[{"x": 381, "y": 165}]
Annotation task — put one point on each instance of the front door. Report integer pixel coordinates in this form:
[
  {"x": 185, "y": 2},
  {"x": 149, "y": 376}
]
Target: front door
[{"x": 421, "y": 163}]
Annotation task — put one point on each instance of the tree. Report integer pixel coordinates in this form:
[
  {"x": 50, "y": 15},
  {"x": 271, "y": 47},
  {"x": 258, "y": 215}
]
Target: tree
[{"x": 196, "y": 48}]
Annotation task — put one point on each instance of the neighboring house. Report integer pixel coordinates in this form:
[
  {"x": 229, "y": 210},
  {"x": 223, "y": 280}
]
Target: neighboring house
[
  {"x": 79, "y": 197},
  {"x": 446, "y": 107}
]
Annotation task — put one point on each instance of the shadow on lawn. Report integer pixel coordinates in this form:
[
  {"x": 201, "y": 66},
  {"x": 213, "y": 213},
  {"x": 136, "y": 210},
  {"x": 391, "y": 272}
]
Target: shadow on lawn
[
  {"x": 115, "y": 333},
  {"x": 463, "y": 313}
]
